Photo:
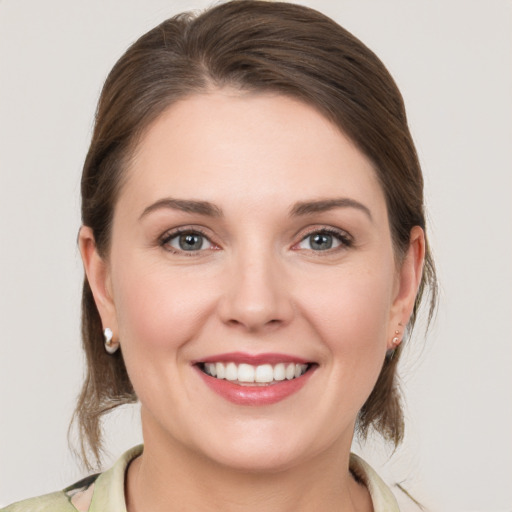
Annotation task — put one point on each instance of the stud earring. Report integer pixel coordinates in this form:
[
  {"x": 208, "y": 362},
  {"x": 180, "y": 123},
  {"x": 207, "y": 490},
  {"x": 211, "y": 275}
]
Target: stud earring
[
  {"x": 396, "y": 340},
  {"x": 110, "y": 346}
]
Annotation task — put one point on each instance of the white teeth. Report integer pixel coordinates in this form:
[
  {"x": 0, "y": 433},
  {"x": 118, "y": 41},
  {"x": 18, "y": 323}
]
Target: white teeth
[
  {"x": 261, "y": 374},
  {"x": 264, "y": 373},
  {"x": 290, "y": 371},
  {"x": 231, "y": 371},
  {"x": 220, "y": 371},
  {"x": 279, "y": 372},
  {"x": 245, "y": 373},
  {"x": 211, "y": 368}
]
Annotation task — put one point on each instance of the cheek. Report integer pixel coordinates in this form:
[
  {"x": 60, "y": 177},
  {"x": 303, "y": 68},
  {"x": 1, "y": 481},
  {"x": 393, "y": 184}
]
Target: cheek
[
  {"x": 350, "y": 312},
  {"x": 158, "y": 309}
]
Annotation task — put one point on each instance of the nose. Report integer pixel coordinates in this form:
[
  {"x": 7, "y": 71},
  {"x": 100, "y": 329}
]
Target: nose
[{"x": 256, "y": 296}]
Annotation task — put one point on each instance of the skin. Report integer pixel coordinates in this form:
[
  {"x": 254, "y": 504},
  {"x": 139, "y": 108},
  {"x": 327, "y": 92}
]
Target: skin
[{"x": 256, "y": 286}]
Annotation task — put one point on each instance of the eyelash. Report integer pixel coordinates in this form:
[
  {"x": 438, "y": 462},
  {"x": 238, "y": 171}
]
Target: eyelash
[
  {"x": 344, "y": 238},
  {"x": 170, "y": 235}
]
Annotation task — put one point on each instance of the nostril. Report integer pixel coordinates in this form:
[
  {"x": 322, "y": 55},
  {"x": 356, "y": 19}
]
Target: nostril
[
  {"x": 255, "y": 306},
  {"x": 235, "y": 322}
]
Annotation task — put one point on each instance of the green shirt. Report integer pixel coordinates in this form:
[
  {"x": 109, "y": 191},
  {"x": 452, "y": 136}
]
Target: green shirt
[{"x": 105, "y": 492}]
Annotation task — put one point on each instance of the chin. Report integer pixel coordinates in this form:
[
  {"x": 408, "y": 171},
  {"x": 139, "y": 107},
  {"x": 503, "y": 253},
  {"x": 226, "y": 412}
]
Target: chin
[
  {"x": 262, "y": 446},
  {"x": 254, "y": 459}
]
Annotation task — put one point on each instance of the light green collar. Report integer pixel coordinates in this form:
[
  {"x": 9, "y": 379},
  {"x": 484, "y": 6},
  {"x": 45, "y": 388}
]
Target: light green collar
[{"x": 109, "y": 486}]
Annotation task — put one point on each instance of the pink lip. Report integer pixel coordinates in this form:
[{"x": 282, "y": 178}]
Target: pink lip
[
  {"x": 254, "y": 359},
  {"x": 255, "y": 395}
]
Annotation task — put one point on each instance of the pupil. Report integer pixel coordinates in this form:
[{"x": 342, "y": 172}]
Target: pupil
[
  {"x": 321, "y": 242},
  {"x": 191, "y": 242}
]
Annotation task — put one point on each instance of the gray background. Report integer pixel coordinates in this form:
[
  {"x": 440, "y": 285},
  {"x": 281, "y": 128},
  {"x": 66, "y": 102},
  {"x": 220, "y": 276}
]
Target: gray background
[{"x": 452, "y": 61}]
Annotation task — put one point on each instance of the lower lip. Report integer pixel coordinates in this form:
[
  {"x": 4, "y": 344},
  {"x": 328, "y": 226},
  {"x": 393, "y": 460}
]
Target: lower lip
[{"x": 255, "y": 395}]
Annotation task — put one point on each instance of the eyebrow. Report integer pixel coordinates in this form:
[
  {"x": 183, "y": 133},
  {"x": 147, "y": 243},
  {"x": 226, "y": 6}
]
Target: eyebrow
[
  {"x": 323, "y": 205},
  {"x": 298, "y": 209},
  {"x": 184, "y": 205}
]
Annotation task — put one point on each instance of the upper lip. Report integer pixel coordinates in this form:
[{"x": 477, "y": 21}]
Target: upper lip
[{"x": 252, "y": 359}]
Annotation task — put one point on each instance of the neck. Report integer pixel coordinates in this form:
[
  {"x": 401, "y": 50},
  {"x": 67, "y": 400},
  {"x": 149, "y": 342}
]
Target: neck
[{"x": 179, "y": 479}]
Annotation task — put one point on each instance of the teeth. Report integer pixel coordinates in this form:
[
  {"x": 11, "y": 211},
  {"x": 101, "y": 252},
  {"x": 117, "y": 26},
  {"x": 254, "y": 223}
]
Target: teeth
[
  {"x": 246, "y": 372},
  {"x": 220, "y": 371},
  {"x": 211, "y": 369},
  {"x": 262, "y": 374},
  {"x": 280, "y": 371},
  {"x": 231, "y": 371}
]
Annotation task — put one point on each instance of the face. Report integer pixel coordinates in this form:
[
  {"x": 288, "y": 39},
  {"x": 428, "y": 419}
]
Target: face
[{"x": 251, "y": 280}]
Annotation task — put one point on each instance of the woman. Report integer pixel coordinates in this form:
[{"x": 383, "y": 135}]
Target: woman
[{"x": 255, "y": 254}]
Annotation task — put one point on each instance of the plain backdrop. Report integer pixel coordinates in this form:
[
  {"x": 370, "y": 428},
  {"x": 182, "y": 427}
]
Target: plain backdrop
[{"x": 451, "y": 59}]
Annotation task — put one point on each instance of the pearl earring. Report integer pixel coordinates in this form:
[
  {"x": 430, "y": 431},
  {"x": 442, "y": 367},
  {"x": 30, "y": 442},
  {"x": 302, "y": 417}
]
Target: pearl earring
[
  {"x": 110, "y": 346},
  {"x": 396, "y": 340}
]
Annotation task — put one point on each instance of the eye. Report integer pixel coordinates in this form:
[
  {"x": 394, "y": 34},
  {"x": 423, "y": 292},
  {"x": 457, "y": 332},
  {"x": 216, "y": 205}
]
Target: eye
[
  {"x": 186, "y": 241},
  {"x": 324, "y": 240}
]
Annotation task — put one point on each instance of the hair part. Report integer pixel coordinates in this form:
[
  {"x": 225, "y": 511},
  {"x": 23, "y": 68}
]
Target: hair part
[{"x": 262, "y": 47}]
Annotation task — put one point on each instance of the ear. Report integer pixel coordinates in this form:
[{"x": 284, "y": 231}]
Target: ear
[
  {"x": 406, "y": 288},
  {"x": 98, "y": 275}
]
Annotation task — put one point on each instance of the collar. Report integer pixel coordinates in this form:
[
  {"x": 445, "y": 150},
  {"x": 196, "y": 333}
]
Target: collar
[{"x": 109, "y": 486}]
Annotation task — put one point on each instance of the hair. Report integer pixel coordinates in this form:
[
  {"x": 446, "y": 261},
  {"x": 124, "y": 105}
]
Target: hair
[{"x": 253, "y": 46}]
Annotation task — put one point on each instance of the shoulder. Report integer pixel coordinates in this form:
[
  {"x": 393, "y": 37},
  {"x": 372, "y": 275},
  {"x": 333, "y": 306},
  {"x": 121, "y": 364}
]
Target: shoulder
[
  {"x": 95, "y": 493},
  {"x": 382, "y": 498},
  {"x": 54, "y": 502},
  {"x": 60, "y": 501}
]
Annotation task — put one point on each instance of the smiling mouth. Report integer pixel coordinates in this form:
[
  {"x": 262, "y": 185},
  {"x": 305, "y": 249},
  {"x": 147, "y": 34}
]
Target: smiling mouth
[{"x": 254, "y": 375}]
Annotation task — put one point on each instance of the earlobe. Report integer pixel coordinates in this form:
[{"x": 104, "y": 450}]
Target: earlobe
[
  {"x": 98, "y": 275},
  {"x": 409, "y": 279}
]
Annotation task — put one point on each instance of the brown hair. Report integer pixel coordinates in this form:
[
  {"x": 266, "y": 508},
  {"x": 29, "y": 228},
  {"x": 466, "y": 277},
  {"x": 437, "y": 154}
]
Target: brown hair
[{"x": 253, "y": 46}]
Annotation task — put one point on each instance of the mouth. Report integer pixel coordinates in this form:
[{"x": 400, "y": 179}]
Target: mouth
[
  {"x": 255, "y": 380},
  {"x": 244, "y": 374}
]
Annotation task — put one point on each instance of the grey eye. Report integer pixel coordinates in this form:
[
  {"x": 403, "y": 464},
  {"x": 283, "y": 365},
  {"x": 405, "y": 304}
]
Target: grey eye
[
  {"x": 322, "y": 241},
  {"x": 189, "y": 242}
]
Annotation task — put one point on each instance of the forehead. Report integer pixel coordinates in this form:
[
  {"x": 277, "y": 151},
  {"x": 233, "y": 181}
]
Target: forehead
[{"x": 252, "y": 147}]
